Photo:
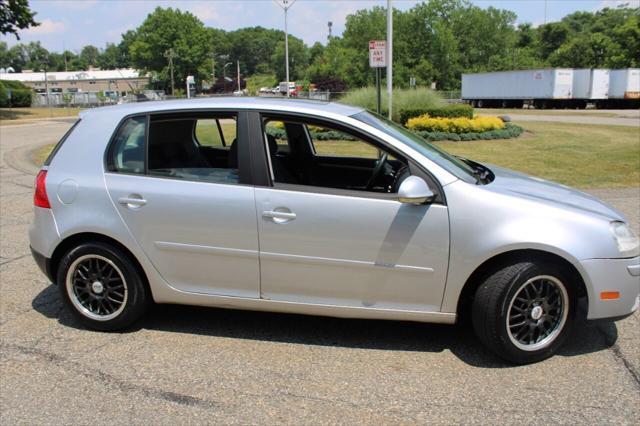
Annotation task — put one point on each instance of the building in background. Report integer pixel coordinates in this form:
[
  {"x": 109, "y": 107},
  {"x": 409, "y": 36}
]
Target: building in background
[{"x": 117, "y": 82}]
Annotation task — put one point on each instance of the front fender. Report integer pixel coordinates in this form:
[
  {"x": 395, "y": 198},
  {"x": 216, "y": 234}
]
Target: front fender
[{"x": 485, "y": 224}]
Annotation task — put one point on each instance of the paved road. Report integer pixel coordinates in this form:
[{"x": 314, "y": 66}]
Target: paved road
[
  {"x": 610, "y": 121},
  {"x": 193, "y": 365}
]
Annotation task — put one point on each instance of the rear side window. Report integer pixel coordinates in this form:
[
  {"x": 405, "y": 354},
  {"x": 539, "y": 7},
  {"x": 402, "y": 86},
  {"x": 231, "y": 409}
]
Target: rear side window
[
  {"x": 127, "y": 152},
  {"x": 194, "y": 147},
  {"x": 59, "y": 144}
]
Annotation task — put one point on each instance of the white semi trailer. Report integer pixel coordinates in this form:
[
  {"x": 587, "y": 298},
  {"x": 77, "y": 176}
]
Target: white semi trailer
[
  {"x": 543, "y": 88},
  {"x": 554, "y": 88},
  {"x": 590, "y": 85},
  {"x": 624, "y": 89}
]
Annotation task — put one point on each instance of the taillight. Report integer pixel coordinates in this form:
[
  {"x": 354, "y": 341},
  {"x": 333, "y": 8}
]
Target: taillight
[{"x": 40, "y": 198}]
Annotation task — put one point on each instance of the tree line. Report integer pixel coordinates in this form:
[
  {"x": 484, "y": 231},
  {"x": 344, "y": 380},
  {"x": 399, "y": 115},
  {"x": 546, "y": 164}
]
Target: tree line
[{"x": 434, "y": 42}]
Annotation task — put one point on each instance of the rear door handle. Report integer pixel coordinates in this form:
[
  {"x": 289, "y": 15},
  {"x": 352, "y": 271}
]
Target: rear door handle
[
  {"x": 132, "y": 201},
  {"x": 278, "y": 216}
]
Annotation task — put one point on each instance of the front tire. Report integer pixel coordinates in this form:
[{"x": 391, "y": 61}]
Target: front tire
[
  {"x": 524, "y": 312},
  {"x": 102, "y": 287}
]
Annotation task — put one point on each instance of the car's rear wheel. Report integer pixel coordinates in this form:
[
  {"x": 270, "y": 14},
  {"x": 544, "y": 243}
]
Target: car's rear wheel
[
  {"x": 102, "y": 287},
  {"x": 524, "y": 312}
]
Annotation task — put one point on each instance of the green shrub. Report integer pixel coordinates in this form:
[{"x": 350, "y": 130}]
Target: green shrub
[
  {"x": 510, "y": 131},
  {"x": 447, "y": 111},
  {"x": 20, "y": 94},
  {"x": 403, "y": 99}
]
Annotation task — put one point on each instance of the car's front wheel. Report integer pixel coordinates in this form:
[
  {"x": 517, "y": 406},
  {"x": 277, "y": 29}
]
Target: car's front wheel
[
  {"x": 102, "y": 286},
  {"x": 524, "y": 312}
]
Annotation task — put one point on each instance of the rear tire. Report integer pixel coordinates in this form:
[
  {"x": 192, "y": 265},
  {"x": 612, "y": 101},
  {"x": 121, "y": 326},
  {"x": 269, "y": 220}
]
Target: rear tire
[
  {"x": 102, "y": 287},
  {"x": 525, "y": 311}
]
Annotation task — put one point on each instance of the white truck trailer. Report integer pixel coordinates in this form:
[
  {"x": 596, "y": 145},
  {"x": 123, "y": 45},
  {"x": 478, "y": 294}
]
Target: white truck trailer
[
  {"x": 624, "y": 89},
  {"x": 542, "y": 88},
  {"x": 590, "y": 86}
]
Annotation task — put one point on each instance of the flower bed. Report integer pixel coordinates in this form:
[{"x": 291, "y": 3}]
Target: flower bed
[
  {"x": 426, "y": 123},
  {"x": 507, "y": 132}
]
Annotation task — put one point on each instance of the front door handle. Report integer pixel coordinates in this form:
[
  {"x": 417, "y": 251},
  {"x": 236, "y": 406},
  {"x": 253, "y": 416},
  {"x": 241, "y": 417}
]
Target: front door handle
[
  {"x": 279, "y": 216},
  {"x": 133, "y": 201}
]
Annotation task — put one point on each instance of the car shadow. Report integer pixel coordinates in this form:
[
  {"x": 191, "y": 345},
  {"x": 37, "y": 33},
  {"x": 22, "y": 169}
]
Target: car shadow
[{"x": 460, "y": 339}]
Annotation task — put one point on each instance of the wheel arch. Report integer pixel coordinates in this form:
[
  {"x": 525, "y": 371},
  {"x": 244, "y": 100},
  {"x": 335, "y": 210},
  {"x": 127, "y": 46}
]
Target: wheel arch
[
  {"x": 76, "y": 239},
  {"x": 509, "y": 257}
]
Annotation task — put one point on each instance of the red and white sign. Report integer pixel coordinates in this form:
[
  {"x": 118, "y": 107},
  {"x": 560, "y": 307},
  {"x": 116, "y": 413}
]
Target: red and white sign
[{"x": 378, "y": 53}]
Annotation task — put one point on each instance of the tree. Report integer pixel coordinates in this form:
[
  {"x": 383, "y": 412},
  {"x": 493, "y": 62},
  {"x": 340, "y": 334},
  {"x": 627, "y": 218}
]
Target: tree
[
  {"x": 15, "y": 15},
  {"x": 89, "y": 55},
  {"x": 551, "y": 37},
  {"x": 111, "y": 57},
  {"x": 298, "y": 59},
  {"x": 254, "y": 48},
  {"x": 315, "y": 51},
  {"x": 166, "y": 29},
  {"x": 341, "y": 63}
]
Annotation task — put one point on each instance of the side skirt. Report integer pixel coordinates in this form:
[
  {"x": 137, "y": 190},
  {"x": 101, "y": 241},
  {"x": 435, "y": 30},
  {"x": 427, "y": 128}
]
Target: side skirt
[{"x": 174, "y": 296}]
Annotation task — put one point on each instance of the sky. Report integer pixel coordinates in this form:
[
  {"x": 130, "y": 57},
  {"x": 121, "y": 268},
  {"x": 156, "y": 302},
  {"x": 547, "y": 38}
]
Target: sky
[{"x": 72, "y": 24}]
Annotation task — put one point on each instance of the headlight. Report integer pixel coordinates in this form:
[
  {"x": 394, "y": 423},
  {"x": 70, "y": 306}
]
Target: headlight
[{"x": 627, "y": 241}]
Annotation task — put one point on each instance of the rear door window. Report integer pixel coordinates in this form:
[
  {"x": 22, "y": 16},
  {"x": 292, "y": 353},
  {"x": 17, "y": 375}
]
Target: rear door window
[{"x": 202, "y": 148}]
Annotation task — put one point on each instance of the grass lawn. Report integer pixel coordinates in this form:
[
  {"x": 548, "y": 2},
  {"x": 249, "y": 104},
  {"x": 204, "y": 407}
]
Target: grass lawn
[
  {"x": 8, "y": 115},
  {"x": 39, "y": 155},
  {"x": 208, "y": 134},
  {"x": 584, "y": 156}
]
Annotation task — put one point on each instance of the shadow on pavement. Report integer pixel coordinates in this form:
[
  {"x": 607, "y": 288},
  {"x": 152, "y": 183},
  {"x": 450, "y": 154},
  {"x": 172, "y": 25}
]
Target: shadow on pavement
[{"x": 325, "y": 331}]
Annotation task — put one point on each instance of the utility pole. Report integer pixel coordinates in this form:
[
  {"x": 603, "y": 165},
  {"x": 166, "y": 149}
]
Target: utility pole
[
  {"x": 64, "y": 55},
  {"x": 390, "y": 54},
  {"x": 46, "y": 86},
  {"x": 213, "y": 68},
  {"x": 285, "y": 5},
  {"x": 169, "y": 54},
  {"x": 329, "y": 24},
  {"x": 238, "y": 64}
]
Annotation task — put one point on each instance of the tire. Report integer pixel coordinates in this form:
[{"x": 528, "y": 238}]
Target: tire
[
  {"x": 102, "y": 287},
  {"x": 525, "y": 311}
]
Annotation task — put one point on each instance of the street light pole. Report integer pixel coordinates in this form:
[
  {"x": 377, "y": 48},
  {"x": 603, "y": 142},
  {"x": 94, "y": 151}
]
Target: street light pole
[
  {"x": 224, "y": 69},
  {"x": 285, "y": 5},
  {"x": 390, "y": 54}
]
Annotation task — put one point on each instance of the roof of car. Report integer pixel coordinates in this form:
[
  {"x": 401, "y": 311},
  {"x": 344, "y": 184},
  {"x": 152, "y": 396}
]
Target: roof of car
[{"x": 232, "y": 103}]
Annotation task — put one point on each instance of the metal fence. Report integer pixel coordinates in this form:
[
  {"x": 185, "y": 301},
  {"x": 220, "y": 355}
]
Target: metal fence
[
  {"x": 91, "y": 99},
  {"x": 96, "y": 99}
]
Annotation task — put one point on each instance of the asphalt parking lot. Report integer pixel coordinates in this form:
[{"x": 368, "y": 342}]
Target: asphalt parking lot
[{"x": 195, "y": 365}]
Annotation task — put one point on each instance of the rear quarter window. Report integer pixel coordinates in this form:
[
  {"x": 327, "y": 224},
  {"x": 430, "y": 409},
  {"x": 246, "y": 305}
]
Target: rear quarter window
[
  {"x": 59, "y": 144},
  {"x": 127, "y": 149}
]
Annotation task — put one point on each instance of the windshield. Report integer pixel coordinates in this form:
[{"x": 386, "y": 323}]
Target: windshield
[{"x": 452, "y": 164}]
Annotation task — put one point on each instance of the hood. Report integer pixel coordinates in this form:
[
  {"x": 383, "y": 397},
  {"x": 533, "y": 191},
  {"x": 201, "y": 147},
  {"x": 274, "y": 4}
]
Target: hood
[{"x": 513, "y": 183}]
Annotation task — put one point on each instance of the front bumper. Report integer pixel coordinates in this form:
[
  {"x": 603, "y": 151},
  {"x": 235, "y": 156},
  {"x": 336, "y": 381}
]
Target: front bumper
[{"x": 612, "y": 275}]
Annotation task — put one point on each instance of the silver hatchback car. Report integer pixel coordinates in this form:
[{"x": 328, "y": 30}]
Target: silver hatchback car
[{"x": 323, "y": 209}]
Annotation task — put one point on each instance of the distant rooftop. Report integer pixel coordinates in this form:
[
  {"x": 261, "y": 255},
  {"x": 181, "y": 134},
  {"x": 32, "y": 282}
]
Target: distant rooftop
[{"x": 120, "y": 74}]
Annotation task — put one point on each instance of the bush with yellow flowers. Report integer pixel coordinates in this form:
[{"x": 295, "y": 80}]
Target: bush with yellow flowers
[{"x": 424, "y": 123}]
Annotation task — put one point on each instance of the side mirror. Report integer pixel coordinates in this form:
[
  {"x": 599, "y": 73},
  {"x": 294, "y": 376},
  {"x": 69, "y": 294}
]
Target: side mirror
[{"x": 414, "y": 190}]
